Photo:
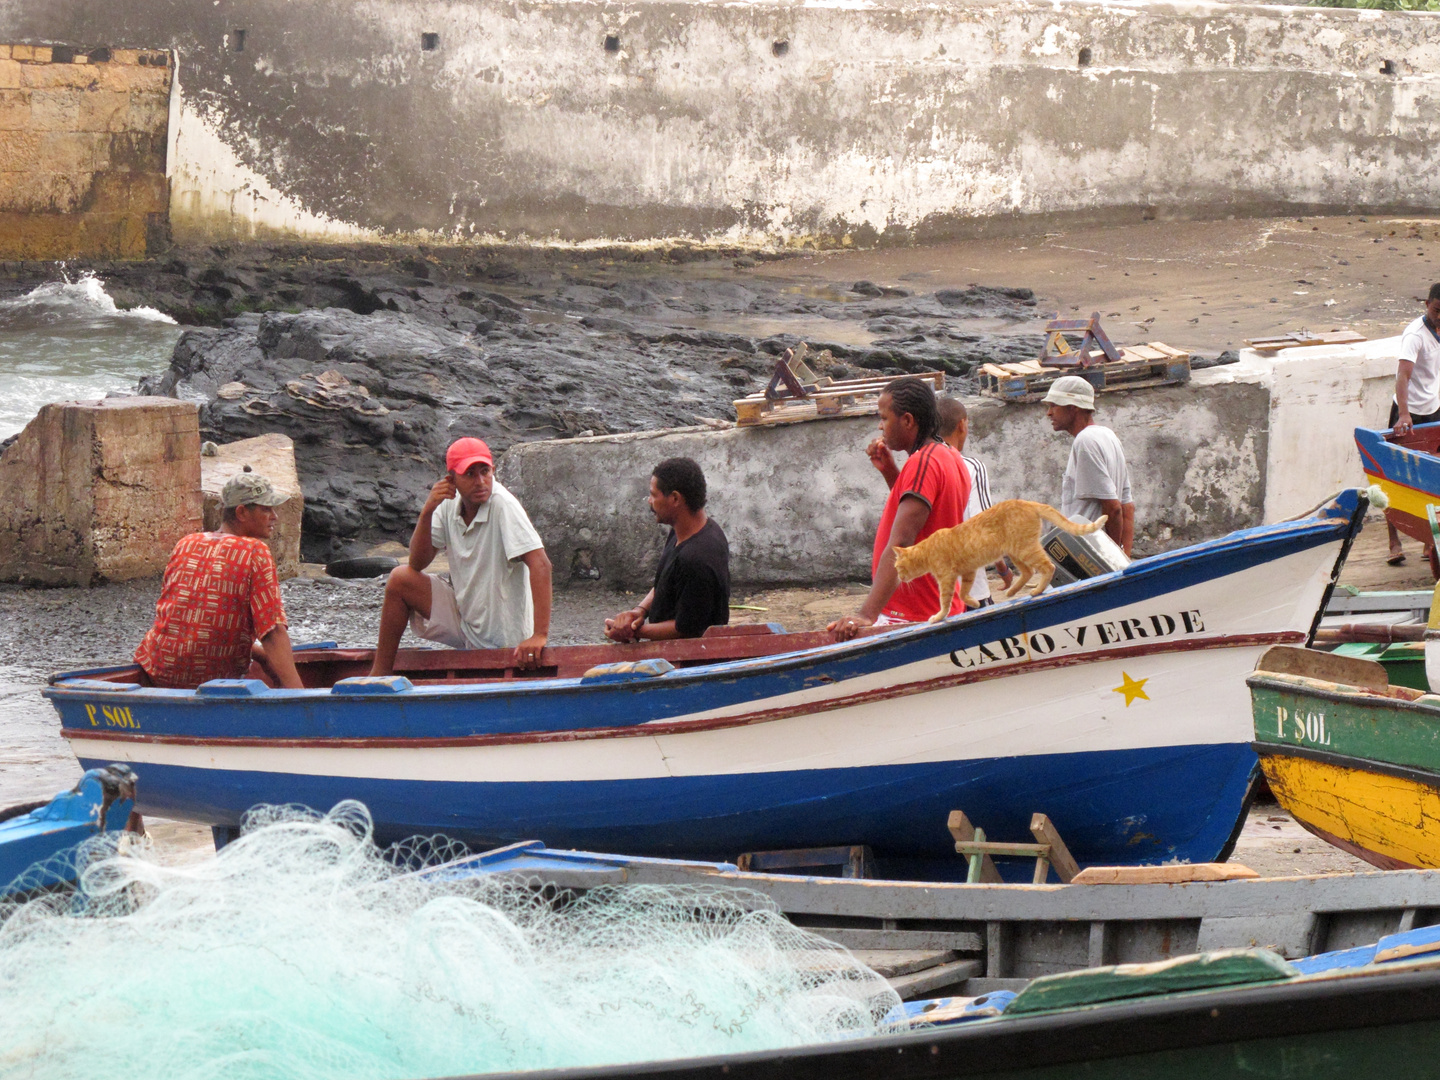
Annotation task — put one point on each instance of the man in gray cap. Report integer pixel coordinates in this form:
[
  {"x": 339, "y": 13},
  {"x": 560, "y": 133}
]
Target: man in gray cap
[
  {"x": 1097, "y": 480},
  {"x": 219, "y": 604}
]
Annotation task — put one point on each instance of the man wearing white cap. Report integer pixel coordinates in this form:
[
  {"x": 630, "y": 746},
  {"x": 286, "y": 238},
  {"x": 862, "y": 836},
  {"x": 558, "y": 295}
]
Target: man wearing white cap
[{"x": 1097, "y": 480}]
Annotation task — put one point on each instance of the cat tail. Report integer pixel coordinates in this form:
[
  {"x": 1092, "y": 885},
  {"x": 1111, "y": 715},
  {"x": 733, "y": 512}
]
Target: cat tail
[{"x": 1050, "y": 514}]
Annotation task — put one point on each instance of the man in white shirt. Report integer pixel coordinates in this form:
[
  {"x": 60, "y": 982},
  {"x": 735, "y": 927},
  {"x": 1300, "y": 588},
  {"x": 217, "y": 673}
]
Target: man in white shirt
[
  {"x": 499, "y": 591},
  {"x": 1417, "y": 384},
  {"x": 1097, "y": 480}
]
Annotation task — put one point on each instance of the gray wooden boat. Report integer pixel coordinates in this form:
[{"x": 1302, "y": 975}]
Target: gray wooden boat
[{"x": 932, "y": 938}]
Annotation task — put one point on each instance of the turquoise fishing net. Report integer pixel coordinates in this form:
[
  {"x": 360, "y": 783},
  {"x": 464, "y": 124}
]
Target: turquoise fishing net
[{"x": 298, "y": 951}]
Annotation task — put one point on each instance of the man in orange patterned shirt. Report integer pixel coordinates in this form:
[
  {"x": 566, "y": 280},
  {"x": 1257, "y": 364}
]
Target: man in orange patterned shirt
[{"x": 220, "y": 601}]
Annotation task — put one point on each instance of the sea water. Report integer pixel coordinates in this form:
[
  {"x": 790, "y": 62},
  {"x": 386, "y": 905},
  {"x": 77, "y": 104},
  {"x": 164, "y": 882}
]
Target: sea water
[
  {"x": 67, "y": 341},
  {"x": 299, "y": 953}
]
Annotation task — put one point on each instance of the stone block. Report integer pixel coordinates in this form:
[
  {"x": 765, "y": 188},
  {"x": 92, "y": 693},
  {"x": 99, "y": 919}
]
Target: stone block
[
  {"x": 128, "y": 78},
  {"x": 56, "y": 109},
  {"x": 273, "y": 457},
  {"x": 22, "y": 52},
  {"x": 40, "y": 192},
  {"x": 14, "y": 110},
  {"x": 71, "y": 151},
  {"x": 99, "y": 491},
  {"x": 9, "y": 74},
  {"x": 20, "y": 149},
  {"x": 102, "y": 110},
  {"x": 46, "y": 76}
]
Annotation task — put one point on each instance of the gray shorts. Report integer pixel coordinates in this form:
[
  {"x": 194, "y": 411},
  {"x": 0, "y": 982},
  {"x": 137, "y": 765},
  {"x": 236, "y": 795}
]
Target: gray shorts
[{"x": 444, "y": 624}]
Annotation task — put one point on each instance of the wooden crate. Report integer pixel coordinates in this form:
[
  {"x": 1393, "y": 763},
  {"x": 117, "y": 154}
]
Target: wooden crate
[
  {"x": 1303, "y": 338},
  {"x": 855, "y": 397},
  {"x": 1154, "y": 364}
]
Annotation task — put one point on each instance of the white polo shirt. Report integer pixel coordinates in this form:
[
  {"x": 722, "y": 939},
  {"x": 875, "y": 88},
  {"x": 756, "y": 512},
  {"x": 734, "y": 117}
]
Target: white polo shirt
[
  {"x": 1420, "y": 346},
  {"x": 492, "y": 588}
]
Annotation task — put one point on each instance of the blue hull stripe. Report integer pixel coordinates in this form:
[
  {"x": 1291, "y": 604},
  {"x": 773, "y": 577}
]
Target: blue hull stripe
[{"x": 1110, "y": 806}]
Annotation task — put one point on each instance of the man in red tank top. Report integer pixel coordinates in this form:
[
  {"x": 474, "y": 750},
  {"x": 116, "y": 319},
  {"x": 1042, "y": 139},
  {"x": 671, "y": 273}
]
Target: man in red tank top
[{"x": 929, "y": 494}]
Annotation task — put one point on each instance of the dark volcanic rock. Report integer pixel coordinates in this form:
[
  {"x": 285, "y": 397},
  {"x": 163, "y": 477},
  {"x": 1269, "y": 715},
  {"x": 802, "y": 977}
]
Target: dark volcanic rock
[{"x": 392, "y": 363}]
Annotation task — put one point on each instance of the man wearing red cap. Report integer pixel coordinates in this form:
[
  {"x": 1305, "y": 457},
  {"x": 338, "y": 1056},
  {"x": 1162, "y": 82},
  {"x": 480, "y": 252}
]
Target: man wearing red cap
[{"x": 498, "y": 594}]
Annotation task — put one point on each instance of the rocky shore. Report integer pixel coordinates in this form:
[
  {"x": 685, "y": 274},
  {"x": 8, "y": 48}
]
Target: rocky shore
[{"x": 373, "y": 367}]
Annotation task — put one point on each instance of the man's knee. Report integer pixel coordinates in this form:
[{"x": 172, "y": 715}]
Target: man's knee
[{"x": 408, "y": 584}]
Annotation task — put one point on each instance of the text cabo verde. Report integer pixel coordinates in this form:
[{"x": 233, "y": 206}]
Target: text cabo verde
[{"x": 1097, "y": 635}]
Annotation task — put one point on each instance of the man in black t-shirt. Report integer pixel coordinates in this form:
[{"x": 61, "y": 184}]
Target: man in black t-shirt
[{"x": 692, "y": 584}]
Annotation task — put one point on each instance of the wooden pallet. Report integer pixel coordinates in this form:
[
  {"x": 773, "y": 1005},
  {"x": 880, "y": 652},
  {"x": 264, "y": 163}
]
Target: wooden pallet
[
  {"x": 1154, "y": 364},
  {"x": 855, "y": 397},
  {"x": 1304, "y": 338}
]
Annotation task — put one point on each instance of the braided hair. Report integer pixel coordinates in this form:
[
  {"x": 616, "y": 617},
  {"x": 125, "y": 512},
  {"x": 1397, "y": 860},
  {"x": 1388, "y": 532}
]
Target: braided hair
[{"x": 914, "y": 396}]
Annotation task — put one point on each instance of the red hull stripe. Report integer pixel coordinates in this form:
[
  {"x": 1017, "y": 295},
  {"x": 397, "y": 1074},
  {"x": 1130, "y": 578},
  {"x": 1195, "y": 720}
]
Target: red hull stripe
[{"x": 682, "y": 727}]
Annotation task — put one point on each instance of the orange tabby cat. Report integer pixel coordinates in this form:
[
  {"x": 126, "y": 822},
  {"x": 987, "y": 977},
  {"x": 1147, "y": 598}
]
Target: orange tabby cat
[{"x": 1008, "y": 528}]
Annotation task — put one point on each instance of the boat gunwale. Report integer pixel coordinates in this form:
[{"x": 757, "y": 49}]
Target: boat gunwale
[
  {"x": 654, "y": 728},
  {"x": 1304, "y": 1005},
  {"x": 1091, "y": 589},
  {"x": 1302, "y": 685}
]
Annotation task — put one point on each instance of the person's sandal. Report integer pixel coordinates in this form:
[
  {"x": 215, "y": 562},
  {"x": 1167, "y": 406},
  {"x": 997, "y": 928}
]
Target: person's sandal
[{"x": 1397, "y": 558}]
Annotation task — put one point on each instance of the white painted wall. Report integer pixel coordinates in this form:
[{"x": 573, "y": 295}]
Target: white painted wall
[{"x": 1318, "y": 397}]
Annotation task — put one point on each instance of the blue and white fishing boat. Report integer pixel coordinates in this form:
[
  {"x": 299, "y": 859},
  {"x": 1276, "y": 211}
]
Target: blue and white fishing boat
[
  {"x": 1117, "y": 706},
  {"x": 38, "y": 840}
]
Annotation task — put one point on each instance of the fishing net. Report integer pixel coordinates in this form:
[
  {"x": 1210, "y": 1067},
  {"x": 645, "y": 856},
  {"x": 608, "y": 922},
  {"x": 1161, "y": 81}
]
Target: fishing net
[{"x": 299, "y": 951}]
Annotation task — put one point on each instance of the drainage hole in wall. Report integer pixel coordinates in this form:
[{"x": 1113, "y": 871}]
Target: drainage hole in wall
[
  {"x": 239, "y": 40},
  {"x": 780, "y": 48},
  {"x": 1083, "y": 60},
  {"x": 429, "y": 42},
  {"x": 1389, "y": 67},
  {"x": 612, "y": 42}
]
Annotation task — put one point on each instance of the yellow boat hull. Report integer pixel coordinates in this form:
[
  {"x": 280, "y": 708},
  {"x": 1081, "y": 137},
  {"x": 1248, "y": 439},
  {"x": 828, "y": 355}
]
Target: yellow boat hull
[{"x": 1392, "y": 821}]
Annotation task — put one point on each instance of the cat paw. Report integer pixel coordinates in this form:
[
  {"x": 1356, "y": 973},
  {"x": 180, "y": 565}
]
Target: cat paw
[{"x": 936, "y": 617}]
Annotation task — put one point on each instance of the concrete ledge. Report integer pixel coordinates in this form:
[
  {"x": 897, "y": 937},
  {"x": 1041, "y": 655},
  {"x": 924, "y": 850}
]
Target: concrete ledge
[
  {"x": 1256, "y": 441},
  {"x": 99, "y": 491}
]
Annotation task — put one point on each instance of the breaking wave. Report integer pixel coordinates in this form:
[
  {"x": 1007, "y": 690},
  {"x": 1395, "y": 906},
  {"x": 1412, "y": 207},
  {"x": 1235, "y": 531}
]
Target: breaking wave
[
  {"x": 69, "y": 341},
  {"x": 71, "y": 303},
  {"x": 300, "y": 952}
]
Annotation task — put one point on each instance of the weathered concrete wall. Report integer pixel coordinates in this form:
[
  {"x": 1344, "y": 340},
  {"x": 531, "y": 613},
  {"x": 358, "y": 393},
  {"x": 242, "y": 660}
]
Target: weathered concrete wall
[
  {"x": 800, "y": 503},
  {"x": 273, "y": 457},
  {"x": 767, "y": 122},
  {"x": 1318, "y": 397},
  {"x": 99, "y": 491},
  {"x": 82, "y": 152}
]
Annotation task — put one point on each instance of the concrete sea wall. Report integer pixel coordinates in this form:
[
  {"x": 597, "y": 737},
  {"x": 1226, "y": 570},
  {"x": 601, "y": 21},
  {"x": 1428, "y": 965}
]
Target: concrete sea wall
[
  {"x": 765, "y": 121},
  {"x": 1258, "y": 441}
]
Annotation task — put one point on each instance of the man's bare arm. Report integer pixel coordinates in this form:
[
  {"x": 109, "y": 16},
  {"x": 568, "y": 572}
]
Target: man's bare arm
[
  {"x": 280, "y": 657},
  {"x": 1129, "y": 541},
  {"x": 1115, "y": 521},
  {"x": 1403, "y": 424},
  {"x": 527, "y": 653},
  {"x": 910, "y": 518},
  {"x": 422, "y": 546}
]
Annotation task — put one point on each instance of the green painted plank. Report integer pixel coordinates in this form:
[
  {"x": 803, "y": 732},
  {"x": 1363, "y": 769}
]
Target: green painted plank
[{"x": 1360, "y": 726}]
